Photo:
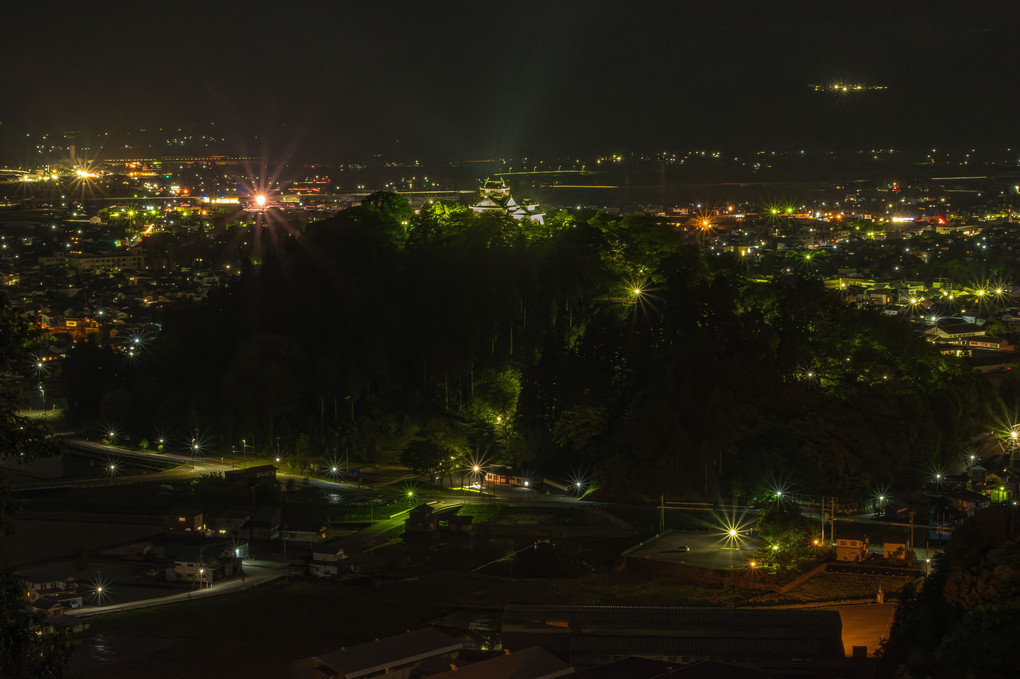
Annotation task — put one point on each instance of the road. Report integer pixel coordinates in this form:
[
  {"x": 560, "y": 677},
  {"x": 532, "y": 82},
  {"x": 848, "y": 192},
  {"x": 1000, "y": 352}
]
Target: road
[
  {"x": 865, "y": 625},
  {"x": 185, "y": 468},
  {"x": 255, "y": 573}
]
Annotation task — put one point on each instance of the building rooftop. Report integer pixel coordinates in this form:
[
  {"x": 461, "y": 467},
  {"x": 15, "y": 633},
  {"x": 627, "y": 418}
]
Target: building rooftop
[
  {"x": 533, "y": 663},
  {"x": 376, "y": 656}
]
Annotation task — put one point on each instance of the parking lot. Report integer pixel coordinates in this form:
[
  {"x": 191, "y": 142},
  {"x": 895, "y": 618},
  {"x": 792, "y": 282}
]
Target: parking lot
[{"x": 705, "y": 549}]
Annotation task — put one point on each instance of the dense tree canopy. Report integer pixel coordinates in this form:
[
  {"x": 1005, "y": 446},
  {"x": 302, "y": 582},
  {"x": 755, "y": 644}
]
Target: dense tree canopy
[
  {"x": 23, "y": 652},
  {"x": 591, "y": 343},
  {"x": 965, "y": 619}
]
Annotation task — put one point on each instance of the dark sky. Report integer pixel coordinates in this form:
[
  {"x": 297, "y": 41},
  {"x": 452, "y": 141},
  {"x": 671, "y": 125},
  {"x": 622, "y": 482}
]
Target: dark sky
[{"x": 483, "y": 78}]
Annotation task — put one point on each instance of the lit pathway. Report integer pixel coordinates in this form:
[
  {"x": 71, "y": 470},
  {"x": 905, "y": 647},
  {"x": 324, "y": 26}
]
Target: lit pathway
[
  {"x": 254, "y": 575},
  {"x": 865, "y": 625}
]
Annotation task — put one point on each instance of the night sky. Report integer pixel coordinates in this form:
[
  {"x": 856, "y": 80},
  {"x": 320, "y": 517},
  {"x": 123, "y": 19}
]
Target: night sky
[{"x": 458, "y": 80}]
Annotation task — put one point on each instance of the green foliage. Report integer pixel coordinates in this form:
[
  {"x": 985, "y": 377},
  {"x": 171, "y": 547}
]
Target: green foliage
[
  {"x": 528, "y": 343},
  {"x": 25, "y": 654},
  {"x": 424, "y": 457},
  {"x": 786, "y": 536},
  {"x": 21, "y": 438},
  {"x": 577, "y": 427},
  {"x": 965, "y": 618}
]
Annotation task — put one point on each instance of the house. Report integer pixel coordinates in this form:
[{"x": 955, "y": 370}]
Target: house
[
  {"x": 37, "y": 586},
  {"x": 991, "y": 343},
  {"x": 533, "y": 662},
  {"x": 420, "y": 520},
  {"x": 852, "y": 548},
  {"x": 229, "y": 523},
  {"x": 894, "y": 551},
  {"x": 265, "y": 525},
  {"x": 977, "y": 473},
  {"x": 184, "y": 521},
  {"x": 395, "y": 657},
  {"x": 506, "y": 476},
  {"x": 306, "y": 531},
  {"x": 326, "y": 559},
  {"x": 57, "y": 603},
  {"x": 206, "y": 563},
  {"x": 983, "y": 362},
  {"x": 258, "y": 475},
  {"x": 456, "y": 525},
  {"x": 63, "y": 622},
  {"x": 954, "y": 331},
  {"x": 967, "y": 501}
]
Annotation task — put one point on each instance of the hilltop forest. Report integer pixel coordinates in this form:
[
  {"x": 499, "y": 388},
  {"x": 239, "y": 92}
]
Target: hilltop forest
[{"x": 593, "y": 346}]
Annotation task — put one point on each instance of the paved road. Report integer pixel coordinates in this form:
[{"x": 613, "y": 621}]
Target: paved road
[
  {"x": 255, "y": 573},
  {"x": 706, "y": 550},
  {"x": 865, "y": 625}
]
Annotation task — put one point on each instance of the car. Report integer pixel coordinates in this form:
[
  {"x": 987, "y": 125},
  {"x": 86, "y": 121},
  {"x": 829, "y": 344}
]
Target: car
[{"x": 683, "y": 548}]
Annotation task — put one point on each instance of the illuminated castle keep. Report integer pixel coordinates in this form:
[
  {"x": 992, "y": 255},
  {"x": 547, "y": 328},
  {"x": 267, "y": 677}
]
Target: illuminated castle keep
[{"x": 495, "y": 195}]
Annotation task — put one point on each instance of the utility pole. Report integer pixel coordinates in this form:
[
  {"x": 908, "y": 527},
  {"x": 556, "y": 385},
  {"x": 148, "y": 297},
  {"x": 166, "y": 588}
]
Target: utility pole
[
  {"x": 662, "y": 512},
  {"x": 911, "y": 539}
]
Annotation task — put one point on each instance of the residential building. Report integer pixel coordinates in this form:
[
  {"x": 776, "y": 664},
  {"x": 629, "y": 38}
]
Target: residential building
[
  {"x": 327, "y": 559},
  {"x": 852, "y": 548},
  {"x": 206, "y": 563},
  {"x": 395, "y": 657},
  {"x": 184, "y": 521},
  {"x": 528, "y": 663}
]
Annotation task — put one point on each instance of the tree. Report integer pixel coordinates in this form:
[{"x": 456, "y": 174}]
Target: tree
[
  {"x": 23, "y": 653},
  {"x": 424, "y": 457},
  {"x": 21, "y": 438}
]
